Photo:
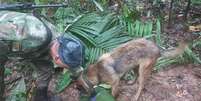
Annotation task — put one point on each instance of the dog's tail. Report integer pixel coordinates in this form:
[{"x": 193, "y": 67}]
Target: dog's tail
[{"x": 175, "y": 52}]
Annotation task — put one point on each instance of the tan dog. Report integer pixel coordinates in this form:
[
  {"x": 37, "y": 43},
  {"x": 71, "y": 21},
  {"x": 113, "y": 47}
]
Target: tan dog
[{"x": 139, "y": 55}]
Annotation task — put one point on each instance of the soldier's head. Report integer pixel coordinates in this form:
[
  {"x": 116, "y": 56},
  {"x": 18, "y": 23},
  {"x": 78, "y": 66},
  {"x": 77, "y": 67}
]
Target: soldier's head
[{"x": 67, "y": 52}]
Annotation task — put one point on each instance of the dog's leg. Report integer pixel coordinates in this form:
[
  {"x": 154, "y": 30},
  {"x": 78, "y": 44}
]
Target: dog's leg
[
  {"x": 115, "y": 84},
  {"x": 110, "y": 77},
  {"x": 144, "y": 71}
]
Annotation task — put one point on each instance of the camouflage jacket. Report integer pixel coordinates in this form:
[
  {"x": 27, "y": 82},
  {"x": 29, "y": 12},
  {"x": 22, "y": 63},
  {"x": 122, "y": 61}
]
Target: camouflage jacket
[{"x": 25, "y": 34}]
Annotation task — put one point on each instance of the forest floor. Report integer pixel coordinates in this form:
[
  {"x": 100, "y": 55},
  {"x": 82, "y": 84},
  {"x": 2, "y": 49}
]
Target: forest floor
[{"x": 175, "y": 83}]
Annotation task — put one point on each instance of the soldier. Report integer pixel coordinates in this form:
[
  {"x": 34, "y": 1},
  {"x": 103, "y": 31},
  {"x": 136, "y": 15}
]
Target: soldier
[{"x": 27, "y": 37}]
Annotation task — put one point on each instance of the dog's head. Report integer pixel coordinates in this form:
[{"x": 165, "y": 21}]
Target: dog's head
[{"x": 88, "y": 78}]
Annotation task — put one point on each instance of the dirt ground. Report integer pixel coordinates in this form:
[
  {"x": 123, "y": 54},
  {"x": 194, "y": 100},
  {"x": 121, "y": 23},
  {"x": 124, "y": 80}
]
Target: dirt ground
[
  {"x": 175, "y": 83},
  {"x": 181, "y": 83}
]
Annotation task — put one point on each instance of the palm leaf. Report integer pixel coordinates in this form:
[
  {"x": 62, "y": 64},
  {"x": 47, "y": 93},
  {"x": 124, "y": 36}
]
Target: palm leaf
[
  {"x": 93, "y": 53},
  {"x": 158, "y": 32},
  {"x": 137, "y": 27},
  {"x": 141, "y": 30},
  {"x": 108, "y": 34},
  {"x": 81, "y": 27},
  {"x": 150, "y": 28},
  {"x": 114, "y": 42},
  {"x": 85, "y": 37}
]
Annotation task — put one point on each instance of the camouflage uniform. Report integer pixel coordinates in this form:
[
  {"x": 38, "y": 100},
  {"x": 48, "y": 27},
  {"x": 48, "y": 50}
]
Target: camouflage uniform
[{"x": 24, "y": 36}]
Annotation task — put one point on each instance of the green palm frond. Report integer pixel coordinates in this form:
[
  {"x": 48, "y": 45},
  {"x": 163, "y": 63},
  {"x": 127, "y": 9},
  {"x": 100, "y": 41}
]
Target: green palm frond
[
  {"x": 109, "y": 37},
  {"x": 114, "y": 42},
  {"x": 139, "y": 28},
  {"x": 106, "y": 22},
  {"x": 93, "y": 53},
  {"x": 158, "y": 32},
  {"x": 136, "y": 28},
  {"x": 82, "y": 28}
]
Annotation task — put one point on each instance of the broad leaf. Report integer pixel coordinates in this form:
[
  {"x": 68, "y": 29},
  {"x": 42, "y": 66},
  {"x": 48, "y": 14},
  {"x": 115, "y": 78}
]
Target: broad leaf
[
  {"x": 103, "y": 95},
  {"x": 63, "y": 81}
]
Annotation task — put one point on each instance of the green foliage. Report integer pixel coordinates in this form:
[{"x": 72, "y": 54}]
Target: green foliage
[
  {"x": 139, "y": 28},
  {"x": 103, "y": 94},
  {"x": 162, "y": 62},
  {"x": 82, "y": 28},
  {"x": 190, "y": 57},
  {"x": 106, "y": 86},
  {"x": 130, "y": 15},
  {"x": 147, "y": 29},
  {"x": 65, "y": 16},
  {"x": 198, "y": 2},
  {"x": 63, "y": 81},
  {"x": 93, "y": 53},
  {"x": 7, "y": 71},
  {"x": 18, "y": 93},
  {"x": 158, "y": 32},
  {"x": 84, "y": 98}
]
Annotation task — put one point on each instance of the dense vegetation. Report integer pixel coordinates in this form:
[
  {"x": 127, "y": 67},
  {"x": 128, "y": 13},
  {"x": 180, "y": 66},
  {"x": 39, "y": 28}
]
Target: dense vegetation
[{"x": 104, "y": 24}]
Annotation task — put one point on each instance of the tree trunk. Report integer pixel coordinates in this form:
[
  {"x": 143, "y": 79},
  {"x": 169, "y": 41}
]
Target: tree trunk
[
  {"x": 170, "y": 14},
  {"x": 187, "y": 9}
]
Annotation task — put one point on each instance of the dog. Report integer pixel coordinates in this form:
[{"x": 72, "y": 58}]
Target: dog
[{"x": 139, "y": 55}]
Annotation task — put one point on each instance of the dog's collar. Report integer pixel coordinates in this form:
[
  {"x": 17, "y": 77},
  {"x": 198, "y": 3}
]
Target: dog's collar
[{"x": 86, "y": 81}]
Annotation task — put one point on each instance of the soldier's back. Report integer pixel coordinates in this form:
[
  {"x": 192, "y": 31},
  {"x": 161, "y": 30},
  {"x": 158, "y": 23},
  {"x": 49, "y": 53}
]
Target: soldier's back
[{"x": 24, "y": 33}]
